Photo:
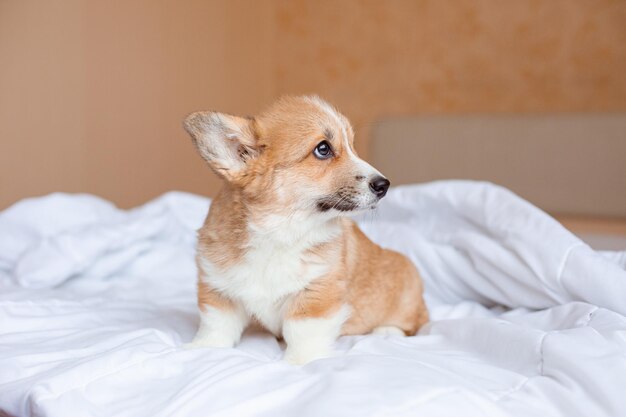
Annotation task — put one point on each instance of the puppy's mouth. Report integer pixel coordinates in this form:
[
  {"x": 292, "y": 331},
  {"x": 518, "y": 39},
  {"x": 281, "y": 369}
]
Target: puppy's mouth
[
  {"x": 336, "y": 203},
  {"x": 344, "y": 200}
]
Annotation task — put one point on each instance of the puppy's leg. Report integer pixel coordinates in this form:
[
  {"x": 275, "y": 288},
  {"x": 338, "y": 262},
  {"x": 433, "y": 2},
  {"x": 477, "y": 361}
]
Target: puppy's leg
[
  {"x": 314, "y": 322},
  {"x": 409, "y": 312},
  {"x": 312, "y": 338},
  {"x": 221, "y": 321}
]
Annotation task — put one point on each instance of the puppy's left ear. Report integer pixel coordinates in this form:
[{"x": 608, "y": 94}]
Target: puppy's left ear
[{"x": 226, "y": 142}]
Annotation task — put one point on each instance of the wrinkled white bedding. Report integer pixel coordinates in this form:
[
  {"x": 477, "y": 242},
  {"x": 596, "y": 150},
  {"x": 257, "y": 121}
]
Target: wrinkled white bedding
[{"x": 95, "y": 303}]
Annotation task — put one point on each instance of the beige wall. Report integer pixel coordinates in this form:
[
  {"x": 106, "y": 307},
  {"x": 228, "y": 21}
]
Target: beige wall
[
  {"x": 376, "y": 58},
  {"x": 92, "y": 93}
]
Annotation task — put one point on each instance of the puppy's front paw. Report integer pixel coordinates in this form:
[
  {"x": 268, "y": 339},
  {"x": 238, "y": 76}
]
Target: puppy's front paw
[
  {"x": 301, "y": 355},
  {"x": 210, "y": 340},
  {"x": 388, "y": 331}
]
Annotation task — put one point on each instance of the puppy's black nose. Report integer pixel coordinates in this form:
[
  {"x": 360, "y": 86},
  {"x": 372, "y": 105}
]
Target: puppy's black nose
[{"x": 379, "y": 186}]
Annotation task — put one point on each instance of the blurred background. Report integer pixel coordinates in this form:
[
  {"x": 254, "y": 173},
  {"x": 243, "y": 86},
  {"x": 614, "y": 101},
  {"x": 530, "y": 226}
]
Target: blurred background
[{"x": 92, "y": 93}]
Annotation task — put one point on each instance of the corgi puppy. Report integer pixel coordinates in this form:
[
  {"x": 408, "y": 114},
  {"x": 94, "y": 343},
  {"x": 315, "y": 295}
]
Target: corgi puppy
[{"x": 277, "y": 246}]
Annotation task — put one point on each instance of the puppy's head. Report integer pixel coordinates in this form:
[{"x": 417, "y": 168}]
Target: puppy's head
[{"x": 297, "y": 155}]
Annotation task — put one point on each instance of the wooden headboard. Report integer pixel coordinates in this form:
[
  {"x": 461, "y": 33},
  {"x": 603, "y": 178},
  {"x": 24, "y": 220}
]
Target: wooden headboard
[{"x": 564, "y": 163}]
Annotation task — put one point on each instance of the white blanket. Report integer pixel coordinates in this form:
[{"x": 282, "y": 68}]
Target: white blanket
[{"x": 95, "y": 303}]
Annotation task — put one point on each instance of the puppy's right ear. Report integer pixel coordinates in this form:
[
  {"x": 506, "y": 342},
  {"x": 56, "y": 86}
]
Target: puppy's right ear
[{"x": 226, "y": 142}]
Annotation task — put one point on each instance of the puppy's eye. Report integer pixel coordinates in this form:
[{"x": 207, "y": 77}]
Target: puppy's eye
[{"x": 323, "y": 150}]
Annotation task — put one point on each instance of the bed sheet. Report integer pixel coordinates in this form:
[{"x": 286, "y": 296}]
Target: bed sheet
[{"x": 95, "y": 303}]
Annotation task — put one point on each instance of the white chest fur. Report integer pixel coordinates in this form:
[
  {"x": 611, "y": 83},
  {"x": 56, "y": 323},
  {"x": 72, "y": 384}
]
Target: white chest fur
[{"x": 275, "y": 266}]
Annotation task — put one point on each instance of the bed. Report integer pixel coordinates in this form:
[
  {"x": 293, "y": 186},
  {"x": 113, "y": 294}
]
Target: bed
[{"x": 528, "y": 319}]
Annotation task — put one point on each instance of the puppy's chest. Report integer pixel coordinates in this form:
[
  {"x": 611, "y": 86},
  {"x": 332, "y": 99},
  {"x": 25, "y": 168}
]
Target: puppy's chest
[{"x": 266, "y": 278}]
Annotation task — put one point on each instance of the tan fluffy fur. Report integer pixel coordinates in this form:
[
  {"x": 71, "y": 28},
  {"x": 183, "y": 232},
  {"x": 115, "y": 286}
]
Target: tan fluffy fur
[{"x": 382, "y": 286}]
